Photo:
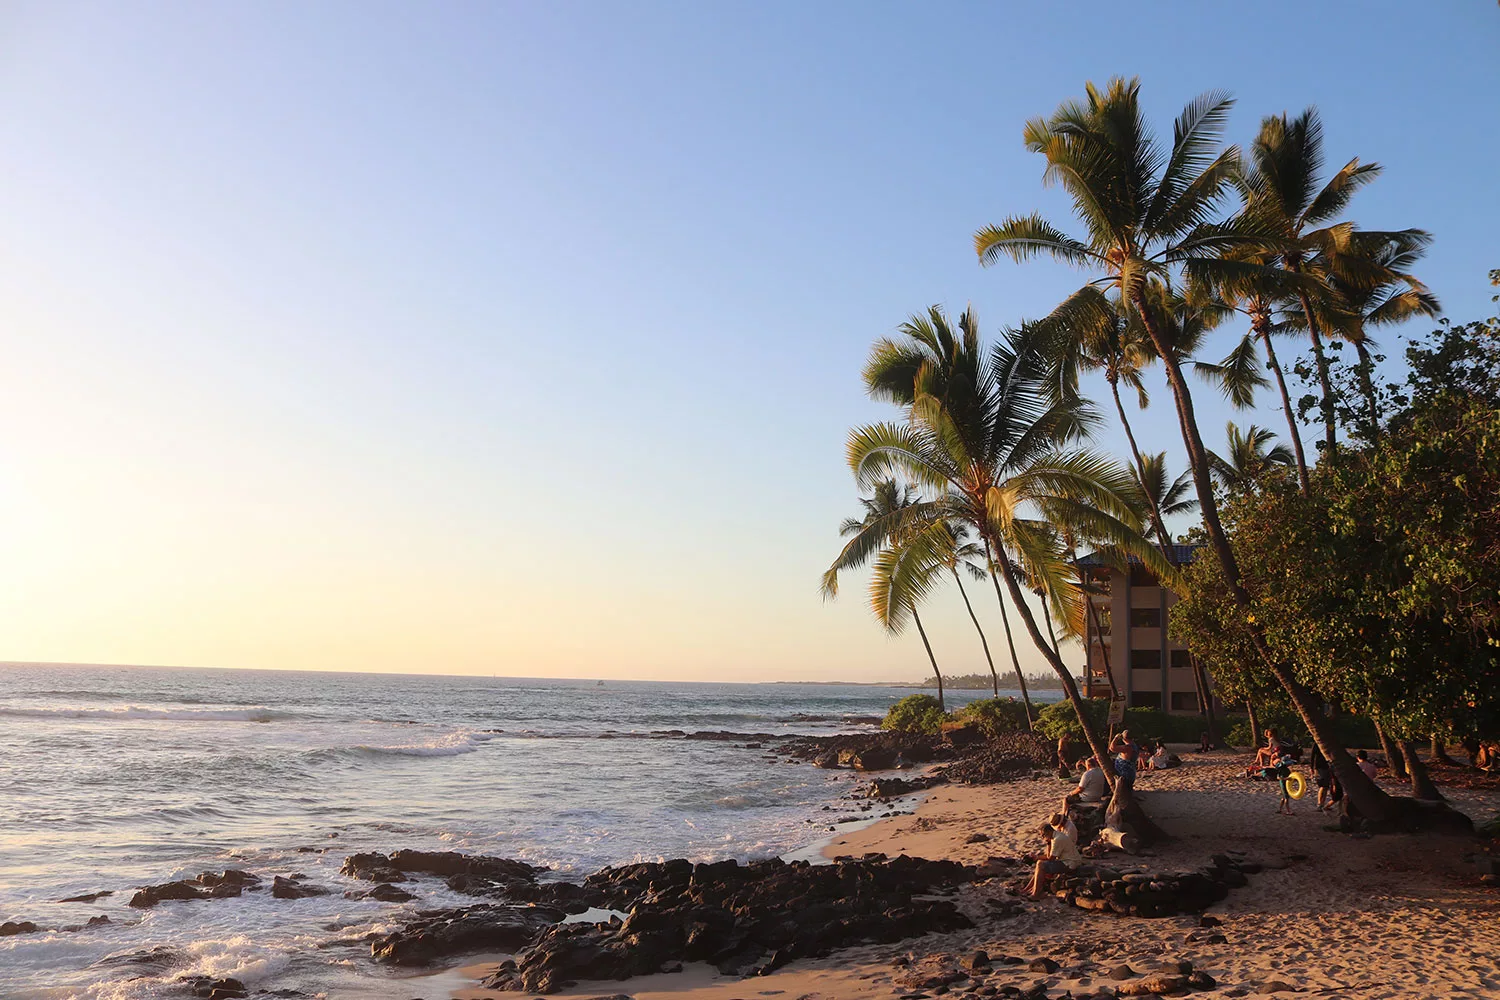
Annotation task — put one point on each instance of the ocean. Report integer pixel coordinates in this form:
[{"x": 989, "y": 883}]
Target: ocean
[{"x": 113, "y": 778}]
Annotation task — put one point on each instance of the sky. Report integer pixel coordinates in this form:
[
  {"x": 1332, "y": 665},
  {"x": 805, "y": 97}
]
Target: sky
[{"x": 524, "y": 338}]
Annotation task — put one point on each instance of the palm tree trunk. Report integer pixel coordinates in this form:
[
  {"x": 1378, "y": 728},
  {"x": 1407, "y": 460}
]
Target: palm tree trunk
[
  {"x": 1123, "y": 807},
  {"x": 1109, "y": 673},
  {"x": 1421, "y": 782},
  {"x": 1140, "y": 468},
  {"x": 1009, "y": 639},
  {"x": 1263, "y": 330},
  {"x": 1366, "y": 796},
  {"x": 1440, "y": 752},
  {"x": 1254, "y": 725},
  {"x": 1205, "y": 697},
  {"x": 1367, "y": 389},
  {"x": 1330, "y": 433},
  {"x": 928, "y": 646},
  {"x": 1051, "y": 632},
  {"x": 994, "y": 677},
  {"x": 1163, "y": 542},
  {"x": 1393, "y": 757}
]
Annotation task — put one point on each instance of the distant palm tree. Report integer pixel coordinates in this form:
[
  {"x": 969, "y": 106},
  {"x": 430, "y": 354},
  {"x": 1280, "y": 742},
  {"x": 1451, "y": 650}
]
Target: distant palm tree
[
  {"x": 1150, "y": 217},
  {"x": 961, "y": 553},
  {"x": 906, "y": 562},
  {"x": 1249, "y": 457}
]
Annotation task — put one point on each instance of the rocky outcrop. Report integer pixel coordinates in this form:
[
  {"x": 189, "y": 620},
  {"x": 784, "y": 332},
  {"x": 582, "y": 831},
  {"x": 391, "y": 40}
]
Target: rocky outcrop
[
  {"x": 88, "y": 897},
  {"x": 294, "y": 888},
  {"x": 385, "y": 892},
  {"x": 869, "y": 751},
  {"x": 741, "y": 918},
  {"x": 396, "y": 866},
  {"x": 209, "y": 885},
  {"x": 13, "y": 927},
  {"x": 1006, "y": 757},
  {"x": 889, "y": 788},
  {"x": 485, "y": 927}
]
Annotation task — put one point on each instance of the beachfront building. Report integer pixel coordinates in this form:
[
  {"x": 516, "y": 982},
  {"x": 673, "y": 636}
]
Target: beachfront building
[{"x": 1127, "y": 638}]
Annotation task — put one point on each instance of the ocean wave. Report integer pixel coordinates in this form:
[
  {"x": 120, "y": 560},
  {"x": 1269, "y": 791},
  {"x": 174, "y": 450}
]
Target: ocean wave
[
  {"x": 133, "y": 713},
  {"x": 450, "y": 745}
]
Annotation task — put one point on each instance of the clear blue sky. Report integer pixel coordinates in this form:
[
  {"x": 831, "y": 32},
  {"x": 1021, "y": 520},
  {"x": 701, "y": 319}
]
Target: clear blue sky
[{"x": 524, "y": 338}]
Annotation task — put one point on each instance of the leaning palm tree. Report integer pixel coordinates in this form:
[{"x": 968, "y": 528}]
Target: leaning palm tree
[
  {"x": 906, "y": 563},
  {"x": 1149, "y": 217},
  {"x": 1006, "y": 462},
  {"x": 1249, "y": 457},
  {"x": 946, "y": 359}
]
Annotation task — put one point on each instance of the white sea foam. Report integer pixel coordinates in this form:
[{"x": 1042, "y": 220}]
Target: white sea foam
[{"x": 443, "y": 746}]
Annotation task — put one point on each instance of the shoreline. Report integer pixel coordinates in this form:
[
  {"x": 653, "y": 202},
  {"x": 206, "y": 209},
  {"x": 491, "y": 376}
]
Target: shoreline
[{"x": 1383, "y": 918}]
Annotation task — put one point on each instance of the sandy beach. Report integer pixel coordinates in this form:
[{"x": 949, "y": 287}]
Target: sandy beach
[{"x": 1381, "y": 918}]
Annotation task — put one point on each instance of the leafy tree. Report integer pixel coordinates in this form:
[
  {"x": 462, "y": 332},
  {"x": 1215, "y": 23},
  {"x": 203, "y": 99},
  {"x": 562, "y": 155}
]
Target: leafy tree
[
  {"x": 1150, "y": 218},
  {"x": 996, "y": 715}
]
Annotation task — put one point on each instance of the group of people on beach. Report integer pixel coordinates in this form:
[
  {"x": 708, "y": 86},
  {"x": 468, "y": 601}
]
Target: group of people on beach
[
  {"x": 1275, "y": 759},
  {"x": 1059, "y": 834}
]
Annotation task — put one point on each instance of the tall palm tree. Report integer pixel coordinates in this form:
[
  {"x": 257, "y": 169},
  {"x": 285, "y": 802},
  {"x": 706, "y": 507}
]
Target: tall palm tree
[
  {"x": 948, "y": 361},
  {"x": 907, "y": 562},
  {"x": 1370, "y": 284},
  {"x": 1005, "y": 462},
  {"x": 1249, "y": 457},
  {"x": 1281, "y": 190},
  {"x": 1149, "y": 217}
]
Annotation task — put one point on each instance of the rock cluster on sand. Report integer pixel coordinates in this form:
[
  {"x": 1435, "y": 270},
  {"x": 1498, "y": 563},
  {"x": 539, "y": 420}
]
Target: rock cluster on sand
[
  {"x": 1003, "y": 758},
  {"x": 741, "y": 918},
  {"x": 472, "y": 874},
  {"x": 870, "y": 751},
  {"x": 1147, "y": 894}
]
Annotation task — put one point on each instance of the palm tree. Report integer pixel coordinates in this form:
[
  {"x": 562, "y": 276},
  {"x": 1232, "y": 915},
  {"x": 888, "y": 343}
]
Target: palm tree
[
  {"x": 1281, "y": 192},
  {"x": 949, "y": 362},
  {"x": 906, "y": 562},
  {"x": 1149, "y": 217},
  {"x": 1249, "y": 457},
  {"x": 1369, "y": 278},
  {"x": 1004, "y": 461}
]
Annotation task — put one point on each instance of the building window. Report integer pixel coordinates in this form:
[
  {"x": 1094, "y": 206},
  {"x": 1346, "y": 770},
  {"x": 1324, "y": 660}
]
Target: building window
[
  {"x": 1145, "y": 617},
  {"x": 1101, "y": 620},
  {"x": 1184, "y": 701},
  {"x": 1181, "y": 658},
  {"x": 1145, "y": 659},
  {"x": 1145, "y": 699}
]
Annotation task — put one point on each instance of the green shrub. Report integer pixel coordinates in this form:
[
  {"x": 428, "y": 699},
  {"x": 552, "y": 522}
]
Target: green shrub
[
  {"x": 916, "y": 713},
  {"x": 1059, "y": 717},
  {"x": 995, "y": 715}
]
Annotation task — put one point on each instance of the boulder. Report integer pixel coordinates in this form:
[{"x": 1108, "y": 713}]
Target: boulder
[
  {"x": 285, "y": 888},
  {"x": 13, "y": 927},
  {"x": 230, "y": 882},
  {"x": 439, "y": 933},
  {"x": 385, "y": 892}
]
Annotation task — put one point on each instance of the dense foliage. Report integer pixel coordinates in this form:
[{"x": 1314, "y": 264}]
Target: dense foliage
[
  {"x": 995, "y": 715},
  {"x": 916, "y": 713}
]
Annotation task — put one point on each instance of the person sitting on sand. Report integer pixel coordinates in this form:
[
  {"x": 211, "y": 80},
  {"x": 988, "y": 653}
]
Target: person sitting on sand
[
  {"x": 1204, "y": 743},
  {"x": 1061, "y": 855},
  {"x": 1126, "y": 752},
  {"x": 1092, "y": 786},
  {"x": 1366, "y": 764},
  {"x": 1062, "y": 821},
  {"x": 1162, "y": 759},
  {"x": 1267, "y": 753}
]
